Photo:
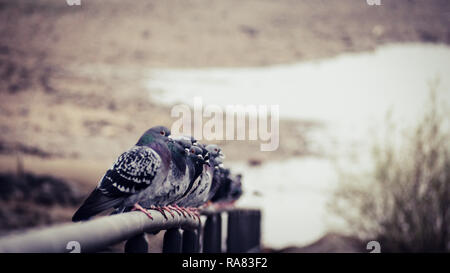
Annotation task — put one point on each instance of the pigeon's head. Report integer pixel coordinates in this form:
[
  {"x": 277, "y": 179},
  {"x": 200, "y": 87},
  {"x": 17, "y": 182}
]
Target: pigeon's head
[
  {"x": 183, "y": 141},
  {"x": 176, "y": 148},
  {"x": 236, "y": 187},
  {"x": 215, "y": 153},
  {"x": 196, "y": 154},
  {"x": 154, "y": 134},
  {"x": 193, "y": 141}
]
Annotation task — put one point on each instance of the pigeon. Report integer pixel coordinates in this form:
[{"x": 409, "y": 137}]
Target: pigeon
[
  {"x": 216, "y": 160},
  {"x": 175, "y": 184},
  {"x": 199, "y": 194},
  {"x": 195, "y": 163},
  {"x": 185, "y": 141},
  {"x": 195, "y": 160},
  {"x": 230, "y": 189},
  {"x": 236, "y": 188},
  {"x": 136, "y": 176}
]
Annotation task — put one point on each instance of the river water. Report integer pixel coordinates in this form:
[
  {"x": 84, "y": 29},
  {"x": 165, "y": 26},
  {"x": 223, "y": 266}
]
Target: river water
[{"x": 351, "y": 94}]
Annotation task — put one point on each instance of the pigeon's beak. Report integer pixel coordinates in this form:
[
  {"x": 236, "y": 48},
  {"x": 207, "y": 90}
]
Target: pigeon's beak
[
  {"x": 207, "y": 162},
  {"x": 221, "y": 155},
  {"x": 170, "y": 139},
  {"x": 200, "y": 157}
]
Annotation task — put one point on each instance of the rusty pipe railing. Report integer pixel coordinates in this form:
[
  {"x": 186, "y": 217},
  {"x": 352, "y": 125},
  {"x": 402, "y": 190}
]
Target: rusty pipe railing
[
  {"x": 243, "y": 234},
  {"x": 94, "y": 235}
]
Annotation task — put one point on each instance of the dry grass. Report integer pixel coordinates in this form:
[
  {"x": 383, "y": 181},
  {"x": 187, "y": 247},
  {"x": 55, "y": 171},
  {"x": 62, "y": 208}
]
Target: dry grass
[{"x": 404, "y": 202}]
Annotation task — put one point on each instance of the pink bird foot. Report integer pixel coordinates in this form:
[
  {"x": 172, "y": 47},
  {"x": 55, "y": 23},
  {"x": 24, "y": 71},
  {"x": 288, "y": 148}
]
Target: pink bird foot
[
  {"x": 195, "y": 212},
  {"x": 162, "y": 211},
  {"x": 184, "y": 210},
  {"x": 139, "y": 207},
  {"x": 166, "y": 208},
  {"x": 177, "y": 210}
]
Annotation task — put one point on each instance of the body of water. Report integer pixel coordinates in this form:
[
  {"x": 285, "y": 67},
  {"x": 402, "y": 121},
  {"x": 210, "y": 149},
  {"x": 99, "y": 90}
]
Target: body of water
[{"x": 351, "y": 94}]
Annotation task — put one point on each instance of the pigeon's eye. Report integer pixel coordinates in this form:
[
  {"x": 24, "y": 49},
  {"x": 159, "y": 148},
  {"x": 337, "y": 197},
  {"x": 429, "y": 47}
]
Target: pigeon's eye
[
  {"x": 192, "y": 151},
  {"x": 215, "y": 150},
  {"x": 162, "y": 133}
]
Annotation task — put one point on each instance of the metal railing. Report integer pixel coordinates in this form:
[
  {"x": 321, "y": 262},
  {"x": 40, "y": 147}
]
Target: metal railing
[{"x": 183, "y": 234}]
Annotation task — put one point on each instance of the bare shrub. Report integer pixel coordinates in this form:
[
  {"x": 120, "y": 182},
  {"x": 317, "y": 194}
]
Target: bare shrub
[{"x": 404, "y": 202}]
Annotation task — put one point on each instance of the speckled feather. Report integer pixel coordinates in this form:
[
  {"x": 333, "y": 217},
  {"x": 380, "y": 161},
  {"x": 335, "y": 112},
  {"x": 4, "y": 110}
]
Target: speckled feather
[{"x": 132, "y": 172}]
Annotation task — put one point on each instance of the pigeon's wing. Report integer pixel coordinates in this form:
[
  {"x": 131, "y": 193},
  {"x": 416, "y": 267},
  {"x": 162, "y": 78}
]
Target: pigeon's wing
[
  {"x": 94, "y": 204},
  {"x": 215, "y": 184},
  {"x": 132, "y": 172},
  {"x": 187, "y": 195},
  {"x": 223, "y": 190}
]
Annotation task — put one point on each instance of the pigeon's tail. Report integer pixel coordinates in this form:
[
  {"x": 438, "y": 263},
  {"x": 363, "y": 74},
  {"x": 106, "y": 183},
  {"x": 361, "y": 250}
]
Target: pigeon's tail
[
  {"x": 94, "y": 204},
  {"x": 120, "y": 210}
]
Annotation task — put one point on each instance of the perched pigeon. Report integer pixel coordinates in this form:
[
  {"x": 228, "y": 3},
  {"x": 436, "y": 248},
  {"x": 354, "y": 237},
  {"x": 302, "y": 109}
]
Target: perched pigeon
[
  {"x": 216, "y": 159},
  {"x": 236, "y": 188},
  {"x": 230, "y": 189},
  {"x": 195, "y": 163},
  {"x": 138, "y": 175},
  {"x": 195, "y": 159},
  {"x": 184, "y": 141},
  {"x": 200, "y": 192},
  {"x": 175, "y": 184}
]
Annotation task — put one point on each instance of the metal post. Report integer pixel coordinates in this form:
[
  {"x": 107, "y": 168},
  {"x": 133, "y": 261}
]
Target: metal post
[
  {"x": 244, "y": 218},
  {"x": 190, "y": 241},
  {"x": 233, "y": 232},
  {"x": 212, "y": 234},
  {"x": 254, "y": 231},
  {"x": 258, "y": 230},
  {"x": 244, "y": 231},
  {"x": 172, "y": 241},
  {"x": 137, "y": 244}
]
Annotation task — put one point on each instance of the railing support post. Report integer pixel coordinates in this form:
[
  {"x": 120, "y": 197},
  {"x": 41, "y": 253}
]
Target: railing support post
[
  {"x": 137, "y": 244},
  {"x": 190, "y": 241},
  {"x": 244, "y": 231},
  {"x": 254, "y": 216},
  {"x": 233, "y": 232},
  {"x": 212, "y": 234},
  {"x": 172, "y": 241}
]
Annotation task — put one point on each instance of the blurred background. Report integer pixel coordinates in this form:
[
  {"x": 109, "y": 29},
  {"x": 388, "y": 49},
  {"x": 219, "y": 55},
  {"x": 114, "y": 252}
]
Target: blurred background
[{"x": 363, "y": 92}]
